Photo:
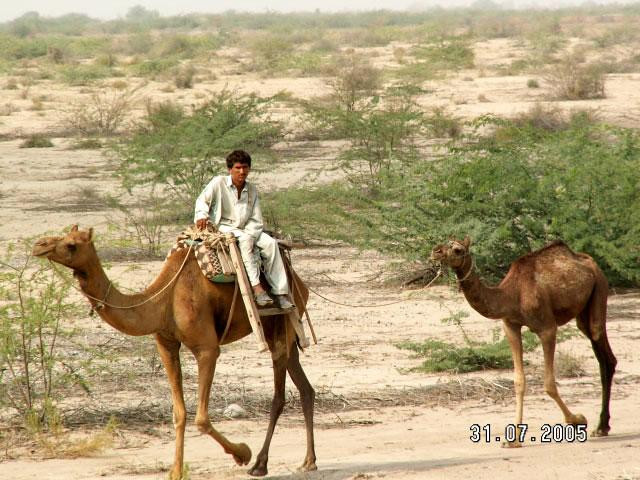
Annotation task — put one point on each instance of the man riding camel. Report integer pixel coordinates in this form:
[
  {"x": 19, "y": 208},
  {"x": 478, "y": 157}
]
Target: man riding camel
[{"x": 231, "y": 204}]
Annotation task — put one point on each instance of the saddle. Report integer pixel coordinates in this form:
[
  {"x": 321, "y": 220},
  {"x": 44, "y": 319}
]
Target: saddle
[{"x": 211, "y": 249}]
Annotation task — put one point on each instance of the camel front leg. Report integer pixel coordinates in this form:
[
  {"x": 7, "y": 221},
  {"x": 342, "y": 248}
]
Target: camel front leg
[
  {"x": 279, "y": 358},
  {"x": 513, "y": 334},
  {"x": 548, "y": 339},
  {"x": 206, "y": 359},
  {"x": 169, "y": 351}
]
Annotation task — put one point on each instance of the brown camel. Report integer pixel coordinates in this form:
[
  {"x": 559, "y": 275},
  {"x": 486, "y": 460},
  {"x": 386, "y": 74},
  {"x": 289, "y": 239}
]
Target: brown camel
[
  {"x": 542, "y": 290},
  {"x": 191, "y": 311}
]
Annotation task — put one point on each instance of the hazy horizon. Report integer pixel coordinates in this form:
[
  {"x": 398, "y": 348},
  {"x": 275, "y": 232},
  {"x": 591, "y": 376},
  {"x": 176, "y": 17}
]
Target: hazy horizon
[{"x": 118, "y": 8}]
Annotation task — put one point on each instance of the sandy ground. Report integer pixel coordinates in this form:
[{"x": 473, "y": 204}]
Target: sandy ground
[{"x": 356, "y": 358}]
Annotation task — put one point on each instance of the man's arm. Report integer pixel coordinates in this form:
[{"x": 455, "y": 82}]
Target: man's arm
[{"x": 203, "y": 204}]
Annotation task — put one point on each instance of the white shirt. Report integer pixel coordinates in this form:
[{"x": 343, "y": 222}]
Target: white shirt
[{"x": 220, "y": 203}]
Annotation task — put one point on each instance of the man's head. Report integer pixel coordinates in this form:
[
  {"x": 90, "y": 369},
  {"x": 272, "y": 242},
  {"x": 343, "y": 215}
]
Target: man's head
[
  {"x": 239, "y": 165},
  {"x": 238, "y": 156}
]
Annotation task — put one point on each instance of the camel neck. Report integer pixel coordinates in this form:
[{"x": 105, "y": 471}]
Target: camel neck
[
  {"x": 137, "y": 320},
  {"x": 488, "y": 301}
]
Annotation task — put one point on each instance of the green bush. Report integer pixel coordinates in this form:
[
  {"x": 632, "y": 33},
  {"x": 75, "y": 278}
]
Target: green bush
[
  {"x": 381, "y": 130},
  {"x": 182, "y": 151},
  {"x": 519, "y": 188},
  {"x": 32, "y": 307}
]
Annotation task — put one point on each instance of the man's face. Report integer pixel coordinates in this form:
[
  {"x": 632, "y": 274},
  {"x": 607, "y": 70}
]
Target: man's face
[{"x": 239, "y": 173}]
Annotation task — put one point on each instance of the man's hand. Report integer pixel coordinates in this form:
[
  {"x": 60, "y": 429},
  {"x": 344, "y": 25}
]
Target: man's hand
[{"x": 202, "y": 223}]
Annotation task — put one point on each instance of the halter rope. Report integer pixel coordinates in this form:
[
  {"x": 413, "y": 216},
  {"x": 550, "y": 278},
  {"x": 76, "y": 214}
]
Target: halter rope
[{"x": 102, "y": 303}]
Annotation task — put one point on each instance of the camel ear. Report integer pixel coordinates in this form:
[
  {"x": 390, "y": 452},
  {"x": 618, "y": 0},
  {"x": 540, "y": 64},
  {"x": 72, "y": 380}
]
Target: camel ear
[
  {"x": 90, "y": 233},
  {"x": 74, "y": 228},
  {"x": 466, "y": 242}
]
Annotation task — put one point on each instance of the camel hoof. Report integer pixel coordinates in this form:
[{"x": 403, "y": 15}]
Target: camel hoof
[
  {"x": 308, "y": 466},
  {"x": 578, "y": 419},
  {"x": 511, "y": 445},
  {"x": 258, "y": 470},
  {"x": 175, "y": 473},
  {"x": 600, "y": 433},
  {"x": 242, "y": 456}
]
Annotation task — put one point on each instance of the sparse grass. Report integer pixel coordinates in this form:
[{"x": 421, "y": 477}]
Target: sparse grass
[
  {"x": 152, "y": 68},
  {"x": 533, "y": 83},
  {"x": 37, "y": 141},
  {"x": 433, "y": 59},
  {"x": 7, "y": 109},
  {"x": 86, "y": 144},
  {"x": 81, "y": 75},
  {"x": 11, "y": 84}
]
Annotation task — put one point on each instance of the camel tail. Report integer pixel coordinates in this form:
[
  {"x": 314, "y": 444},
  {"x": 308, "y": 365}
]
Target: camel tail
[{"x": 597, "y": 307}]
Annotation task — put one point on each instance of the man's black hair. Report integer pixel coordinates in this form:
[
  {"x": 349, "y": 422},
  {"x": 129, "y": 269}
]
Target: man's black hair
[{"x": 238, "y": 156}]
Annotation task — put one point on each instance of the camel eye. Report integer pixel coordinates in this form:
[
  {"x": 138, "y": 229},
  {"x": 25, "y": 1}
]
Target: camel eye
[{"x": 71, "y": 247}]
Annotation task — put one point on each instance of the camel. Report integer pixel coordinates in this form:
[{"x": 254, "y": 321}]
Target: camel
[
  {"x": 191, "y": 311},
  {"x": 542, "y": 290}
]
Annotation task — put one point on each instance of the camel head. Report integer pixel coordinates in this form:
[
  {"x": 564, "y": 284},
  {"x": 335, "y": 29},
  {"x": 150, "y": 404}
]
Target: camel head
[
  {"x": 73, "y": 250},
  {"x": 451, "y": 253}
]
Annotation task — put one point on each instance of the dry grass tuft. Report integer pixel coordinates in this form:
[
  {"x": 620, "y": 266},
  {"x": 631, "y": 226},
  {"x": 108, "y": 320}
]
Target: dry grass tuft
[
  {"x": 568, "y": 365},
  {"x": 573, "y": 80}
]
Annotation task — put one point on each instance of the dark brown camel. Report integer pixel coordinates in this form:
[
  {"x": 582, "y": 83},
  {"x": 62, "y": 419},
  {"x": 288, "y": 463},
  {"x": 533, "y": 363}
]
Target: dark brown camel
[
  {"x": 192, "y": 311},
  {"x": 542, "y": 290}
]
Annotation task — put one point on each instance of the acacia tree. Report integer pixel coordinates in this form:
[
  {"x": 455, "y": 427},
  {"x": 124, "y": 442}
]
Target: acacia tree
[
  {"x": 518, "y": 188},
  {"x": 183, "y": 150}
]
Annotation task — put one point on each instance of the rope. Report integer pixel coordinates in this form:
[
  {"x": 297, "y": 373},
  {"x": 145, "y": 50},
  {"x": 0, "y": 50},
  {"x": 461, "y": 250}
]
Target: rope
[
  {"x": 470, "y": 271},
  {"x": 230, "y": 316},
  {"x": 374, "y": 306},
  {"x": 102, "y": 303}
]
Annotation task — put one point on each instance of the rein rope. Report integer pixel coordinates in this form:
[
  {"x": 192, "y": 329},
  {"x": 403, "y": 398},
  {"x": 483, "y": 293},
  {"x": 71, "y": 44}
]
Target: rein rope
[
  {"x": 102, "y": 303},
  {"x": 378, "y": 305}
]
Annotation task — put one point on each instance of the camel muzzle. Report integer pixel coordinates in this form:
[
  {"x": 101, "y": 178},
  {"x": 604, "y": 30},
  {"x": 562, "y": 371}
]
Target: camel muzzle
[{"x": 43, "y": 247}]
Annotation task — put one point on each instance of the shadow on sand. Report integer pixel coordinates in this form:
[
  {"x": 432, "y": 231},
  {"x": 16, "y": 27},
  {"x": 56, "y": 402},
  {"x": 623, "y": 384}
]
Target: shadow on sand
[{"x": 347, "y": 471}]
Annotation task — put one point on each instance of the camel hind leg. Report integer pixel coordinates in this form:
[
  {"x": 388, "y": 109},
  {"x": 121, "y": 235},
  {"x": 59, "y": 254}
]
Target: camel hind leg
[
  {"x": 592, "y": 322},
  {"x": 307, "y": 398},
  {"x": 279, "y": 358},
  {"x": 548, "y": 340}
]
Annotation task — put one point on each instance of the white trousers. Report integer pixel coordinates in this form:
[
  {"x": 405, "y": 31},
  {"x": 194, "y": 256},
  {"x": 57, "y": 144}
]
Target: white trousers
[{"x": 267, "y": 248}]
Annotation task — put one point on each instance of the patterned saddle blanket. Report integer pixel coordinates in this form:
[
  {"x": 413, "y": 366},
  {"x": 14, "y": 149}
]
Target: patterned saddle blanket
[{"x": 211, "y": 250}]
